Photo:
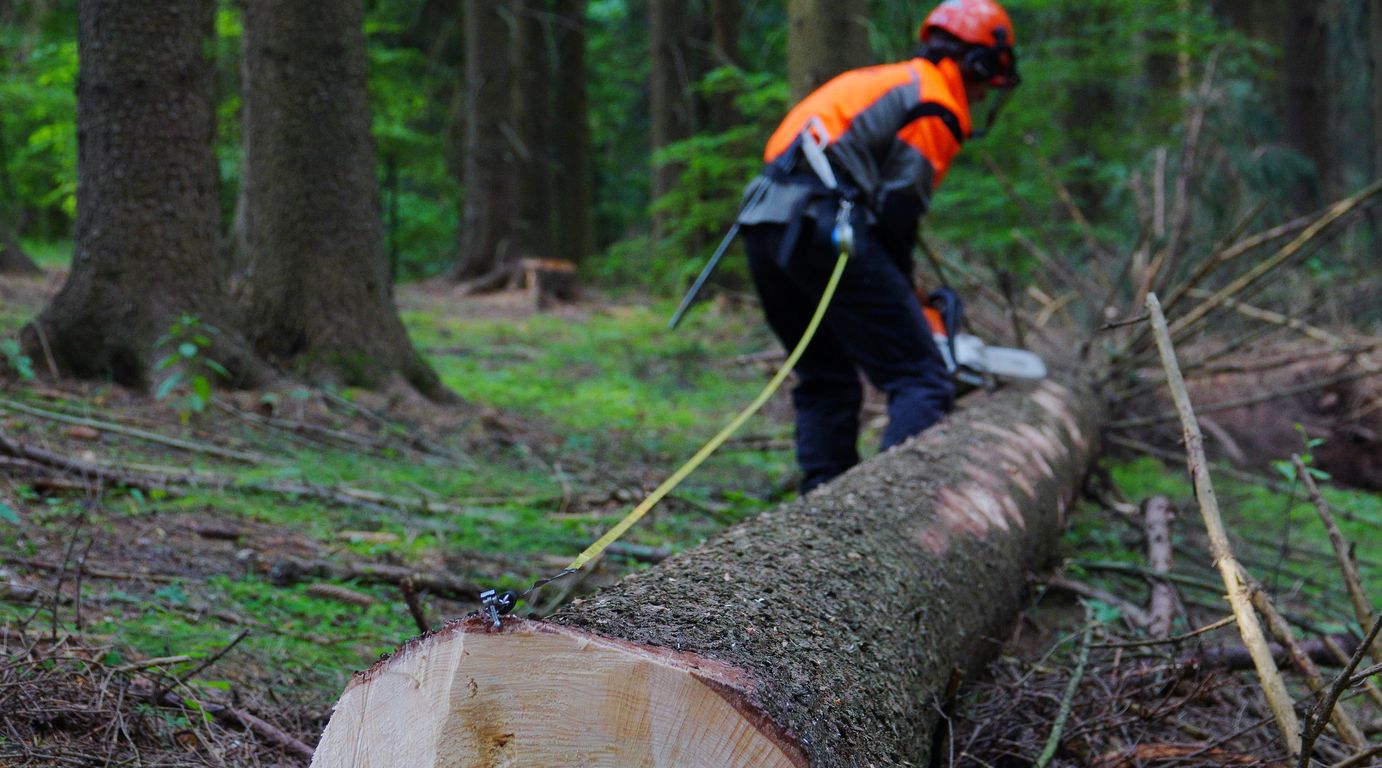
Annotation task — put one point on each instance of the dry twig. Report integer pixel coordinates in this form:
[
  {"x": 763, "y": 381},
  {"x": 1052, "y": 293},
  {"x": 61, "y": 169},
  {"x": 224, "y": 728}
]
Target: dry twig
[
  {"x": 1315, "y": 721},
  {"x": 1353, "y": 582},
  {"x": 1272, "y": 685}
]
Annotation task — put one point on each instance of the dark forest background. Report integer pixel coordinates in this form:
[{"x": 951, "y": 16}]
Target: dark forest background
[{"x": 617, "y": 133}]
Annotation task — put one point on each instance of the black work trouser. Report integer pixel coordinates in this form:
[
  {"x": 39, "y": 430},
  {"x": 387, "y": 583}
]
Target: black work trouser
[{"x": 873, "y": 324}]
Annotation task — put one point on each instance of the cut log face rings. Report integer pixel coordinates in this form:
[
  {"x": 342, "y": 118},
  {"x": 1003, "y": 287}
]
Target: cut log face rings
[{"x": 460, "y": 700}]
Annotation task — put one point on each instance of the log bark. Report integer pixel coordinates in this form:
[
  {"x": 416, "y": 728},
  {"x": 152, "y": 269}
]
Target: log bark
[{"x": 817, "y": 634}]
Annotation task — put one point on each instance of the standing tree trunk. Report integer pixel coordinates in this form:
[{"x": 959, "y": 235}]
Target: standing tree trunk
[
  {"x": 317, "y": 293},
  {"x": 824, "y": 38},
  {"x": 1305, "y": 67},
  {"x": 574, "y": 180},
  {"x": 822, "y": 633},
  {"x": 13, "y": 259},
  {"x": 147, "y": 210},
  {"x": 530, "y": 63},
  {"x": 486, "y": 237},
  {"x": 726, "y": 17},
  {"x": 1375, "y": 47},
  {"x": 668, "y": 91}
]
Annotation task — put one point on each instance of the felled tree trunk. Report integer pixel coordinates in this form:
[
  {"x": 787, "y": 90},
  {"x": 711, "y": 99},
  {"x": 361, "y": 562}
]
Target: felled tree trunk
[{"x": 822, "y": 633}]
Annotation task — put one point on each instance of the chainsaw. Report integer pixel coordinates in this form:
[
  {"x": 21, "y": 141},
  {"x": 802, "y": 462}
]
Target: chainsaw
[{"x": 968, "y": 359}]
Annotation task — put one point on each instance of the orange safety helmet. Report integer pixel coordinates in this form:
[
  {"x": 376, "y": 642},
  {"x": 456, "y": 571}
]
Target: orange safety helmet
[{"x": 985, "y": 26}]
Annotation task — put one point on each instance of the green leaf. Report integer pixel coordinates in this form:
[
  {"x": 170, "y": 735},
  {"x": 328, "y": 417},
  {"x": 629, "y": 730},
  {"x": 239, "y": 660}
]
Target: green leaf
[
  {"x": 165, "y": 362},
  {"x": 8, "y": 514},
  {"x": 168, "y": 385},
  {"x": 187, "y": 349},
  {"x": 201, "y": 388},
  {"x": 218, "y": 369}
]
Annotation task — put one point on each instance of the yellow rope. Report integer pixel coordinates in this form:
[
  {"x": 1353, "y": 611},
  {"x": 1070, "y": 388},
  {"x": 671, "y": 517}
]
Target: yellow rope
[{"x": 594, "y": 550}]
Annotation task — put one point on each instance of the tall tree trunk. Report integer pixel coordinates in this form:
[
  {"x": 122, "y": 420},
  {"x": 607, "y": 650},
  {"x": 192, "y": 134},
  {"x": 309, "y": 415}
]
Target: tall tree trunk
[
  {"x": 668, "y": 91},
  {"x": 575, "y": 180},
  {"x": 822, "y": 633},
  {"x": 317, "y": 292},
  {"x": 726, "y": 18},
  {"x": 824, "y": 38},
  {"x": 147, "y": 210},
  {"x": 1375, "y": 49},
  {"x": 530, "y": 63},
  {"x": 486, "y": 237},
  {"x": 1306, "y": 120}
]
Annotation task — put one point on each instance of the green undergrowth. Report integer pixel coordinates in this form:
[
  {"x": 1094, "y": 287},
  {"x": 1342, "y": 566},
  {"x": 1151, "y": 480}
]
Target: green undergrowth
[
  {"x": 606, "y": 403},
  {"x": 601, "y": 403},
  {"x": 1276, "y": 534}
]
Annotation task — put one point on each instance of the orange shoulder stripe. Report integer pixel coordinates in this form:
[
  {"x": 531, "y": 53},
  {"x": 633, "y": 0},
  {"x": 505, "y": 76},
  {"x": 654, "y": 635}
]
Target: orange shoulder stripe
[
  {"x": 837, "y": 103},
  {"x": 929, "y": 135}
]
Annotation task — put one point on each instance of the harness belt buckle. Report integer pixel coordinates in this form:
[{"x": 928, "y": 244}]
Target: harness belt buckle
[
  {"x": 843, "y": 235},
  {"x": 495, "y": 604}
]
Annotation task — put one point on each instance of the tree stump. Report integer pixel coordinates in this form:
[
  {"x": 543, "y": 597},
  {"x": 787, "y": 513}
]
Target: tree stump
[
  {"x": 821, "y": 633},
  {"x": 550, "y": 281}
]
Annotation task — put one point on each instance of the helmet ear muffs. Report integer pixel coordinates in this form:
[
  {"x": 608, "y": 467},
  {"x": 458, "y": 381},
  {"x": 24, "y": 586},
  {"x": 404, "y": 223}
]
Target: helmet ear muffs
[
  {"x": 980, "y": 64},
  {"x": 994, "y": 64}
]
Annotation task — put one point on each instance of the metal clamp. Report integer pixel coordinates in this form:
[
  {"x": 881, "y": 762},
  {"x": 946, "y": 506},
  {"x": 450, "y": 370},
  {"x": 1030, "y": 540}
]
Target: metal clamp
[
  {"x": 843, "y": 234},
  {"x": 495, "y": 604}
]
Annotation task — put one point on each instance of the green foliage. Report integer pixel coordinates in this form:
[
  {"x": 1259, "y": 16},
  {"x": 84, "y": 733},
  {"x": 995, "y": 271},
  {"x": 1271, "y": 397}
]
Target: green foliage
[
  {"x": 1287, "y": 468},
  {"x": 16, "y": 360},
  {"x": 714, "y": 167},
  {"x": 38, "y": 123},
  {"x": 189, "y": 368}
]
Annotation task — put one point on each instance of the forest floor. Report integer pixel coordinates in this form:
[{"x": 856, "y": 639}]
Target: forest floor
[{"x": 209, "y": 608}]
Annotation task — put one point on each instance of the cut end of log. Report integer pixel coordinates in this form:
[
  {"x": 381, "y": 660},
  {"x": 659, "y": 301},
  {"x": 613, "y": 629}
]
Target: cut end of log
[{"x": 538, "y": 694}]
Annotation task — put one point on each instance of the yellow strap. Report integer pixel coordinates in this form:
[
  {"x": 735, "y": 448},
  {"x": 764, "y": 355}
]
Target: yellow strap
[{"x": 594, "y": 550}]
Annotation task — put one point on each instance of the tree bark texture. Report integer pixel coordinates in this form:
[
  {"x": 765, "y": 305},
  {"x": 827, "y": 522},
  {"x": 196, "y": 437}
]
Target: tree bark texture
[
  {"x": 530, "y": 64},
  {"x": 831, "y": 625},
  {"x": 147, "y": 210},
  {"x": 669, "y": 90},
  {"x": 574, "y": 180},
  {"x": 726, "y": 19},
  {"x": 13, "y": 259},
  {"x": 486, "y": 237},
  {"x": 1375, "y": 48},
  {"x": 1306, "y": 116},
  {"x": 316, "y": 288},
  {"x": 824, "y": 38}
]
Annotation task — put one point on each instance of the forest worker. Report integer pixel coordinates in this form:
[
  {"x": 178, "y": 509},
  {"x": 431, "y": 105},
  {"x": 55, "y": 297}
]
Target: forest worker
[{"x": 889, "y": 133}]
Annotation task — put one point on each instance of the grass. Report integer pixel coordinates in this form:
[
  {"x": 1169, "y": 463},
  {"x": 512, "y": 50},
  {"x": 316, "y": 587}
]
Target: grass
[
  {"x": 611, "y": 403},
  {"x": 1277, "y": 536}
]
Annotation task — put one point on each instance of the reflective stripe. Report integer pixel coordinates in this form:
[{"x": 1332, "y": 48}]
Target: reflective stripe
[{"x": 936, "y": 109}]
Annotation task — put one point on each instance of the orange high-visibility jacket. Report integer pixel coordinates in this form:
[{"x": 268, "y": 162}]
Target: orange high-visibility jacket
[{"x": 893, "y": 128}]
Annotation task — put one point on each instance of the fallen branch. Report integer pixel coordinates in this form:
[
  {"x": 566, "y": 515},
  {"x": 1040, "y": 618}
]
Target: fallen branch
[
  {"x": 1063, "y": 714},
  {"x": 1252, "y": 276},
  {"x": 1353, "y": 582},
  {"x": 1361, "y": 759},
  {"x": 1343, "y": 722},
  {"x": 1176, "y": 640},
  {"x": 1276, "y": 318},
  {"x": 1314, "y": 723},
  {"x": 1157, "y": 515},
  {"x": 289, "y": 570},
  {"x": 414, "y": 603},
  {"x": 1258, "y": 399},
  {"x": 191, "y": 446},
  {"x": 1135, "y": 615},
  {"x": 168, "y": 480},
  {"x": 1251, "y": 631}
]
